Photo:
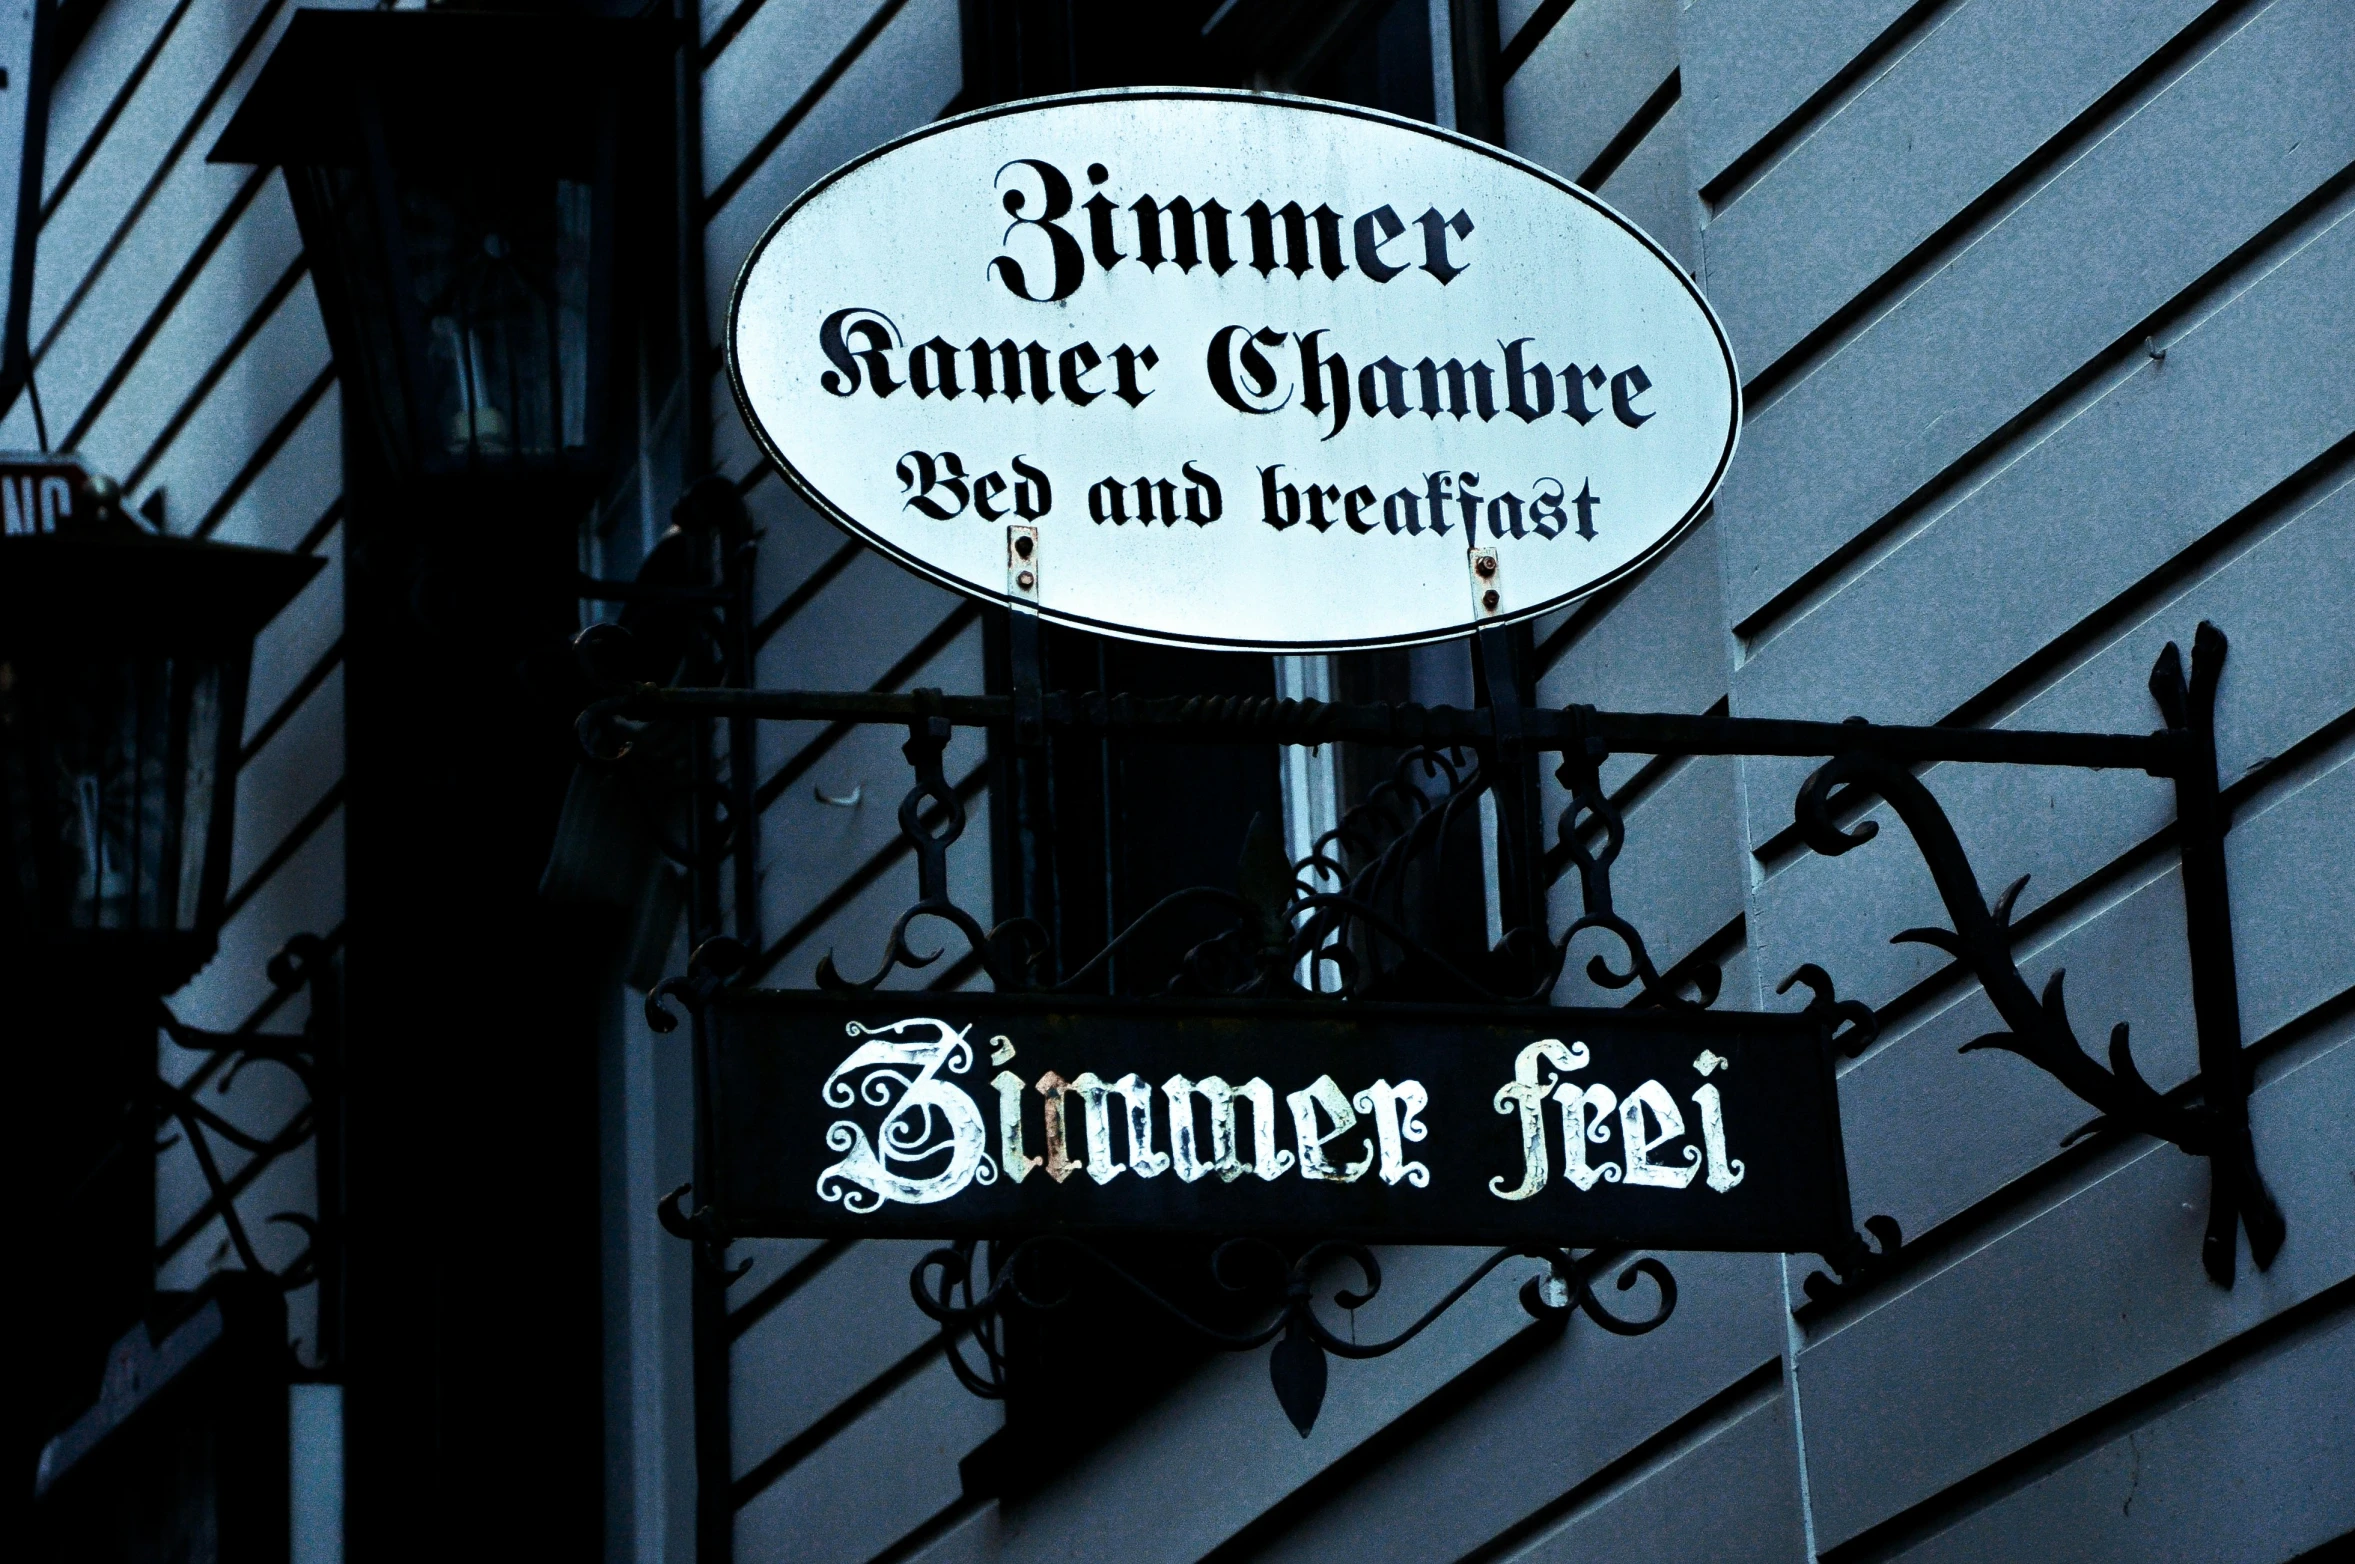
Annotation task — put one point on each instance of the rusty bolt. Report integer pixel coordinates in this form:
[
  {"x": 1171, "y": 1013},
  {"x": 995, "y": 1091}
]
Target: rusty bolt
[
  {"x": 1489, "y": 599},
  {"x": 1026, "y": 581},
  {"x": 1022, "y": 547},
  {"x": 1484, "y": 567}
]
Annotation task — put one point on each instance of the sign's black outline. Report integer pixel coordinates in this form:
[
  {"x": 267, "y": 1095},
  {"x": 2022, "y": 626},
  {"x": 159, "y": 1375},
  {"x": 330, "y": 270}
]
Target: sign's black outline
[
  {"x": 1561, "y": 1020},
  {"x": 827, "y": 508}
]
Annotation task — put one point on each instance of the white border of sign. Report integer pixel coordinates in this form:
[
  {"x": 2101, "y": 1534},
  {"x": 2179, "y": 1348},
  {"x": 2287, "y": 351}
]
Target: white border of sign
[{"x": 1469, "y": 625}]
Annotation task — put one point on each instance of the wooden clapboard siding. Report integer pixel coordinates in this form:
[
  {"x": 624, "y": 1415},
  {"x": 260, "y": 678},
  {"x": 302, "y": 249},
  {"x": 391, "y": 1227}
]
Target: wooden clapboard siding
[
  {"x": 179, "y": 348},
  {"x": 1939, "y": 233},
  {"x": 1968, "y": 493}
]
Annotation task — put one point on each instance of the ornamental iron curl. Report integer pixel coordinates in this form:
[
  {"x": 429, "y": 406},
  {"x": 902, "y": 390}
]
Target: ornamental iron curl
[
  {"x": 310, "y": 1056},
  {"x": 1283, "y": 1289},
  {"x": 2216, "y": 1124}
]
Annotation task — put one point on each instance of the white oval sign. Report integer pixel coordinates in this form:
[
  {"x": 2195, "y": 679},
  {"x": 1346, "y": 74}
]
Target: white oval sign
[{"x": 1231, "y": 370}]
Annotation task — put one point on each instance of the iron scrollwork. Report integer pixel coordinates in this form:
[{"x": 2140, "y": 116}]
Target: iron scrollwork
[
  {"x": 309, "y": 1056},
  {"x": 1268, "y": 1281},
  {"x": 1593, "y": 813}
]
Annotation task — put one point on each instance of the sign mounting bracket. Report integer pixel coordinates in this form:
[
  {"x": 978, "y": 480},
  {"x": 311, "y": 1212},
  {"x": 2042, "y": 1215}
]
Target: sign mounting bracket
[{"x": 1863, "y": 765}]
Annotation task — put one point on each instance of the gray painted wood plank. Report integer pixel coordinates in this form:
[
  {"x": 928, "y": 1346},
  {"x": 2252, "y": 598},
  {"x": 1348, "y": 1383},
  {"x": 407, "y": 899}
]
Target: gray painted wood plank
[
  {"x": 2291, "y": 667},
  {"x": 1733, "y": 1499},
  {"x": 291, "y": 645},
  {"x": 2245, "y": 132},
  {"x": 2257, "y": 1468},
  {"x": 778, "y": 56},
  {"x": 972, "y": 1540},
  {"x": 2078, "y": 1304},
  {"x": 1512, "y": 16},
  {"x": 286, "y": 496},
  {"x": 795, "y": 542},
  {"x": 902, "y": 79},
  {"x": 711, "y": 14},
  {"x": 1568, "y": 1412},
  {"x": 134, "y": 148},
  {"x": 890, "y": 1471},
  {"x": 78, "y": 99},
  {"x": 251, "y": 259},
  {"x": 2073, "y": 522},
  {"x": 1661, "y": 647},
  {"x": 840, "y": 1329},
  {"x": 1653, "y": 191},
  {"x": 283, "y": 356},
  {"x": 852, "y": 632},
  {"x": 1749, "y": 67},
  {"x": 286, "y": 781},
  {"x": 770, "y": 1257},
  {"x": 1581, "y": 86},
  {"x": 1990, "y": 83},
  {"x": 1202, "y": 1464}
]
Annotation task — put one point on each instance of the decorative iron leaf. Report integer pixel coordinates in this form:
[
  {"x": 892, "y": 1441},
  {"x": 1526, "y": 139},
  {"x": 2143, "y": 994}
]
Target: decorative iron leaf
[
  {"x": 1945, "y": 939},
  {"x": 1297, "y": 1366},
  {"x": 2122, "y": 1064},
  {"x": 2003, "y": 903}
]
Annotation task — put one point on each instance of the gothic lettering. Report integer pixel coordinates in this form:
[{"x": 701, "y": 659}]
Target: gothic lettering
[
  {"x": 931, "y": 1141},
  {"x": 1247, "y": 380},
  {"x": 1524, "y": 1096},
  {"x": 937, "y": 484},
  {"x": 1322, "y": 1093},
  {"x": 1637, "y": 1147},
  {"x": 1055, "y": 204},
  {"x": 1394, "y": 1109},
  {"x": 1189, "y": 231}
]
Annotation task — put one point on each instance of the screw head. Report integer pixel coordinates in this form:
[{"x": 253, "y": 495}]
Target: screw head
[
  {"x": 1484, "y": 567},
  {"x": 1022, "y": 547},
  {"x": 1489, "y": 599},
  {"x": 1026, "y": 581}
]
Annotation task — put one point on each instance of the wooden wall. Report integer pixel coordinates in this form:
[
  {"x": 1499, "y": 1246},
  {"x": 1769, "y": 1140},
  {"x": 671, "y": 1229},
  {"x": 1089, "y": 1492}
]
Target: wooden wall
[
  {"x": 2041, "y": 312},
  {"x": 2041, "y": 309}
]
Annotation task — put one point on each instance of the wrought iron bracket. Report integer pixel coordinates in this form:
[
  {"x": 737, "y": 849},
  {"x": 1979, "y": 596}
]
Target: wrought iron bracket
[
  {"x": 2215, "y": 1125},
  {"x": 1342, "y": 908}
]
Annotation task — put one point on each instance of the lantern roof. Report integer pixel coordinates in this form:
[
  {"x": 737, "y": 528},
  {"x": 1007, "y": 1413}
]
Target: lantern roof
[
  {"x": 485, "y": 77},
  {"x": 121, "y": 585}
]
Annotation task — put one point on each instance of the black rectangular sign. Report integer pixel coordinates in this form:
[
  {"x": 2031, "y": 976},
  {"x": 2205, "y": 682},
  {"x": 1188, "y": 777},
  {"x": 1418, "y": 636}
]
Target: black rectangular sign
[{"x": 955, "y": 1115}]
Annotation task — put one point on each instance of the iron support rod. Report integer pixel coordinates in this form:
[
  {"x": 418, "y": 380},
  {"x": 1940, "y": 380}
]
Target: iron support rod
[
  {"x": 1216, "y": 720},
  {"x": 2237, "y": 1194}
]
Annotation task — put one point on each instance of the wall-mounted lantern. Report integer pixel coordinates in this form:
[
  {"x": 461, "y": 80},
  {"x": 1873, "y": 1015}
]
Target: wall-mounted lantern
[
  {"x": 123, "y": 663},
  {"x": 454, "y": 175}
]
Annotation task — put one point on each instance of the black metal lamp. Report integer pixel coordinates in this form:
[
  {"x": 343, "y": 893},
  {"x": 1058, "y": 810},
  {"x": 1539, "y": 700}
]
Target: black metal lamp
[
  {"x": 123, "y": 664},
  {"x": 454, "y": 176}
]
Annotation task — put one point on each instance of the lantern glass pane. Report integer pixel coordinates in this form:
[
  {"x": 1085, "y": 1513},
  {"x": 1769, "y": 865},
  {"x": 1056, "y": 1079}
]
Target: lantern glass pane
[
  {"x": 500, "y": 268},
  {"x": 201, "y": 771},
  {"x": 120, "y": 761},
  {"x": 113, "y": 765},
  {"x": 348, "y": 230}
]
